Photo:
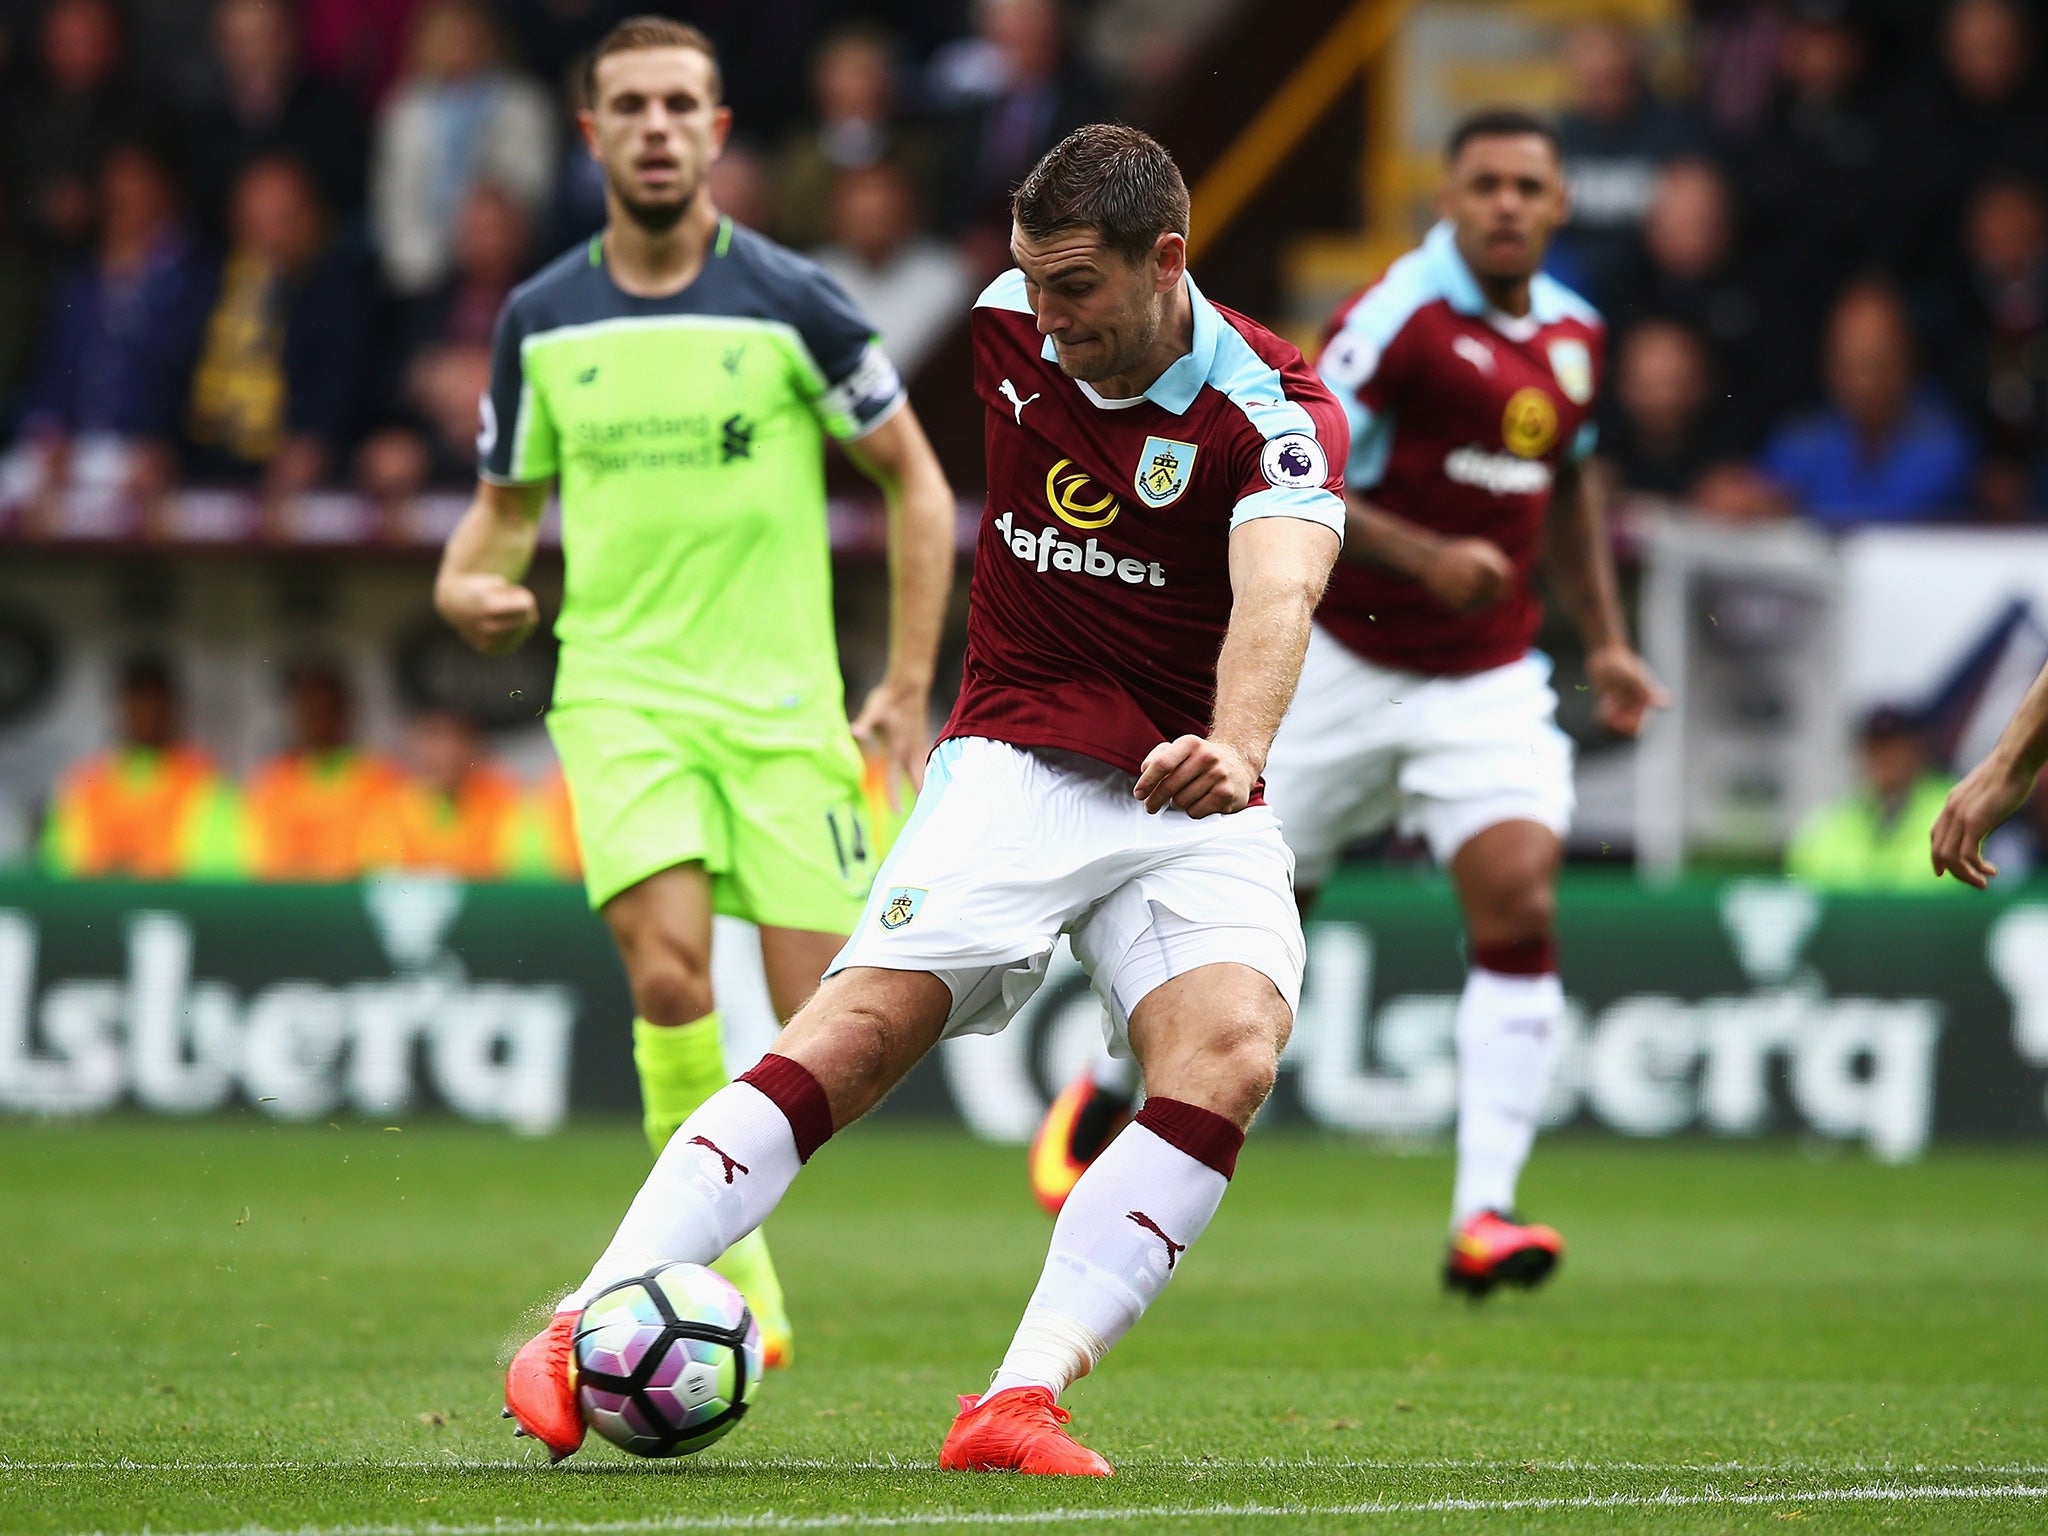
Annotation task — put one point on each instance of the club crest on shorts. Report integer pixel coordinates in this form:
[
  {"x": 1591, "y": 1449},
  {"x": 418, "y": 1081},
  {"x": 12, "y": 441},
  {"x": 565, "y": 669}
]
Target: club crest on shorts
[
  {"x": 1163, "y": 470},
  {"x": 902, "y": 905}
]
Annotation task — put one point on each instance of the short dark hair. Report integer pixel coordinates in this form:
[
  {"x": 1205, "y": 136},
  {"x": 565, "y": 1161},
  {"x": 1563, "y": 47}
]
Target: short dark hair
[
  {"x": 1499, "y": 123},
  {"x": 637, "y": 32},
  {"x": 1116, "y": 180}
]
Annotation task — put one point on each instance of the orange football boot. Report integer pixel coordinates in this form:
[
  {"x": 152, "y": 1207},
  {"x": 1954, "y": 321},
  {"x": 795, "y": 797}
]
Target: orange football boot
[
  {"x": 1078, "y": 1125},
  {"x": 540, "y": 1387},
  {"x": 1019, "y": 1430},
  {"x": 1492, "y": 1249}
]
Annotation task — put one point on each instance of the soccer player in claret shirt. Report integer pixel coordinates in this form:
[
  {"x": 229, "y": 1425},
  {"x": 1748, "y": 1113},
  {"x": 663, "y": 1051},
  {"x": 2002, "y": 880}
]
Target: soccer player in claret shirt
[
  {"x": 1163, "y": 513},
  {"x": 1469, "y": 378},
  {"x": 675, "y": 378}
]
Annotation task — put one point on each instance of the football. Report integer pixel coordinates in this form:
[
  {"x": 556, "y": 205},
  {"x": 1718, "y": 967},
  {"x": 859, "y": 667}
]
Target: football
[{"x": 667, "y": 1361}]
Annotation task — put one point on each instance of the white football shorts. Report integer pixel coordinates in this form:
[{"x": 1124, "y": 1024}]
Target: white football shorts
[
  {"x": 1366, "y": 747},
  {"x": 1008, "y": 848}
]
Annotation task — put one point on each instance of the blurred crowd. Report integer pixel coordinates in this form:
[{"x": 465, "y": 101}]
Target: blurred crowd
[
  {"x": 261, "y": 243},
  {"x": 155, "y": 805},
  {"x": 1825, "y": 262}
]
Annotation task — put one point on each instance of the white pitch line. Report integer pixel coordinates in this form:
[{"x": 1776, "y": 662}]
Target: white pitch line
[
  {"x": 770, "y": 1521},
  {"x": 1522, "y": 1464}
]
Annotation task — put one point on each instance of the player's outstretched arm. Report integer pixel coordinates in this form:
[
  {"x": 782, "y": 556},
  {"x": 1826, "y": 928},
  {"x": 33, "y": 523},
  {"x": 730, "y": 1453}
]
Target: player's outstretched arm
[
  {"x": 1992, "y": 791},
  {"x": 1582, "y": 570},
  {"x": 897, "y": 716},
  {"x": 1465, "y": 575},
  {"x": 478, "y": 586},
  {"x": 1278, "y": 569}
]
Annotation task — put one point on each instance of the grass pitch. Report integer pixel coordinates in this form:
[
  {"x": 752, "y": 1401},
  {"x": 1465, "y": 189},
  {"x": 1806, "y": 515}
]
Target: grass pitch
[{"x": 237, "y": 1326}]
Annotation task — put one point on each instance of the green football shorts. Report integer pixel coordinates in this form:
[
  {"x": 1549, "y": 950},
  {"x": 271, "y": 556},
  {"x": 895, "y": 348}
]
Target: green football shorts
[{"x": 782, "y": 831}]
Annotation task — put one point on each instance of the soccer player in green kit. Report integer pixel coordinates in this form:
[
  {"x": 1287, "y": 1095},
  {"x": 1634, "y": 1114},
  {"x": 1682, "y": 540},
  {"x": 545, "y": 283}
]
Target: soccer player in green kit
[{"x": 675, "y": 378}]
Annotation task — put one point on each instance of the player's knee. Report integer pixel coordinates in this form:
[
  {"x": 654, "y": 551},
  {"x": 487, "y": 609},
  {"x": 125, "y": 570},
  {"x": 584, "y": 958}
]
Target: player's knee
[
  {"x": 1522, "y": 912},
  {"x": 1245, "y": 1058},
  {"x": 671, "y": 985}
]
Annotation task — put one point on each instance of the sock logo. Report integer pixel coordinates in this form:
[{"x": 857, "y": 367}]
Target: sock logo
[
  {"x": 1173, "y": 1250},
  {"x": 706, "y": 1143}
]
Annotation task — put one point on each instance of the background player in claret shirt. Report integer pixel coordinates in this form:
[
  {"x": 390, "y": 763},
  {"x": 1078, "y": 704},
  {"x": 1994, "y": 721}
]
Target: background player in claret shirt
[
  {"x": 1162, "y": 518},
  {"x": 1469, "y": 378},
  {"x": 675, "y": 378}
]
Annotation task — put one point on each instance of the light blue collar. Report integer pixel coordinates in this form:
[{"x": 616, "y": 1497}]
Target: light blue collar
[
  {"x": 1549, "y": 300},
  {"x": 1177, "y": 388}
]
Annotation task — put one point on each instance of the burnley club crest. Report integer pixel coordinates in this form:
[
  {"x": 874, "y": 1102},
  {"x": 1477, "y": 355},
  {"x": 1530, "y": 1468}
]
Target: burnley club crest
[{"x": 1163, "y": 471}]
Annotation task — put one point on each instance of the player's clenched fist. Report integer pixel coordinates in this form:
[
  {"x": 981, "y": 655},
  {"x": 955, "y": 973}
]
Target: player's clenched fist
[
  {"x": 493, "y": 614},
  {"x": 1196, "y": 774},
  {"x": 1625, "y": 689},
  {"x": 1466, "y": 575}
]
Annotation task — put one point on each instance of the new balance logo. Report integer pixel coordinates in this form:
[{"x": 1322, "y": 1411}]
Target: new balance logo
[
  {"x": 730, "y": 1165},
  {"x": 1009, "y": 392},
  {"x": 1173, "y": 1250}
]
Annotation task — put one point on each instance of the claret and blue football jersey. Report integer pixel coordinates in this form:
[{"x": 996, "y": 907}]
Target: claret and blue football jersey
[{"x": 1101, "y": 586}]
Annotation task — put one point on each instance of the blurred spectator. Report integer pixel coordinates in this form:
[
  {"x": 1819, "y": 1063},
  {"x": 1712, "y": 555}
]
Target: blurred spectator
[
  {"x": 436, "y": 445},
  {"x": 153, "y": 806},
  {"x": 437, "y": 363},
  {"x": 739, "y": 185},
  {"x": 544, "y": 847},
  {"x": 1999, "y": 340},
  {"x": 853, "y": 90},
  {"x": 430, "y": 385},
  {"x": 21, "y": 310},
  {"x": 553, "y": 35},
  {"x": 266, "y": 104},
  {"x": 1142, "y": 47},
  {"x": 1617, "y": 138},
  {"x": 276, "y": 384},
  {"x": 1875, "y": 838},
  {"x": 1735, "y": 63},
  {"x": 1982, "y": 114},
  {"x": 1886, "y": 448},
  {"x": 1815, "y": 185},
  {"x": 1015, "y": 91},
  {"x": 57, "y": 130},
  {"x": 912, "y": 288},
  {"x": 358, "y": 44},
  {"x": 458, "y": 118},
  {"x": 118, "y": 344},
  {"x": 312, "y": 807},
  {"x": 455, "y": 810},
  {"x": 1692, "y": 269},
  {"x": 1664, "y": 434}
]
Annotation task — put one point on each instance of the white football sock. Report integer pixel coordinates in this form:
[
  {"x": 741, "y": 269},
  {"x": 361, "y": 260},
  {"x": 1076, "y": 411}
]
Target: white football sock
[
  {"x": 1120, "y": 1236},
  {"x": 1115, "y": 1075},
  {"x": 1510, "y": 1031},
  {"x": 721, "y": 1174}
]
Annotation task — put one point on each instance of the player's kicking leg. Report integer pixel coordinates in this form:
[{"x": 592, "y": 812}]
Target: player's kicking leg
[
  {"x": 1510, "y": 1028},
  {"x": 1210, "y": 1041},
  {"x": 662, "y": 926},
  {"x": 732, "y": 1159}
]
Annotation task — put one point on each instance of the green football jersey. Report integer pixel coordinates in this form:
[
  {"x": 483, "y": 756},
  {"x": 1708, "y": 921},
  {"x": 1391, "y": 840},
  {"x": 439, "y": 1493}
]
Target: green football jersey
[{"x": 686, "y": 437}]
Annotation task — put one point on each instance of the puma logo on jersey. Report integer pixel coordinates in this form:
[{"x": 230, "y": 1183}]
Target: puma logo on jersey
[
  {"x": 1009, "y": 392},
  {"x": 708, "y": 1145},
  {"x": 1475, "y": 352},
  {"x": 1173, "y": 1250}
]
